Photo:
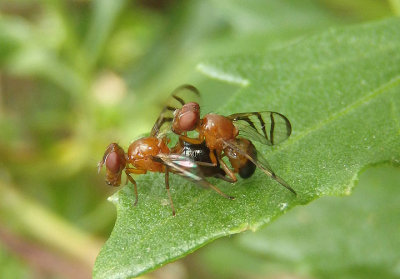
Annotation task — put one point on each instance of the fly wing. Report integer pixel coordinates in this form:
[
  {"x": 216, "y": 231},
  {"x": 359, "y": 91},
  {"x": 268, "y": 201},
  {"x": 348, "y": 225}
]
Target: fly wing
[
  {"x": 187, "y": 168},
  {"x": 181, "y": 165},
  {"x": 266, "y": 127},
  {"x": 261, "y": 163},
  {"x": 183, "y": 94}
]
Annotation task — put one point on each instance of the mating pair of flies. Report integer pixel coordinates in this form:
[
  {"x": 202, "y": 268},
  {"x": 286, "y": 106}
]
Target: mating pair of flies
[{"x": 201, "y": 156}]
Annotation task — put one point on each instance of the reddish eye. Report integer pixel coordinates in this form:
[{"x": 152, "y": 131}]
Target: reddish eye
[
  {"x": 112, "y": 162},
  {"x": 187, "y": 121},
  {"x": 188, "y": 117}
]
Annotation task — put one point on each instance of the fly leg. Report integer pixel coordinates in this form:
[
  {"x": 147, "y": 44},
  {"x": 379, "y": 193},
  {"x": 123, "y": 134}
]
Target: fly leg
[
  {"x": 216, "y": 189},
  {"x": 191, "y": 140},
  {"x": 215, "y": 159},
  {"x": 167, "y": 187},
  {"x": 223, "y": 177},
  {"x": 128, "y": 171},
  {"x": 227, "y": 170}
]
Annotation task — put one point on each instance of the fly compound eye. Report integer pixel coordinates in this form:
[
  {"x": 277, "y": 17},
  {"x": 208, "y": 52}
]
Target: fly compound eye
[
  {"x": 189, "y": 115},
  {"x": 113, "y": 162},
  {"x": 187, "y": 121}
]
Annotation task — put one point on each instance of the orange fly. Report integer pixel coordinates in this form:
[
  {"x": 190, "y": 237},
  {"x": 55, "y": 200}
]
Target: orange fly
[
  {"x": 153, "y": 154},
  {"x": 230, "y": 136}
]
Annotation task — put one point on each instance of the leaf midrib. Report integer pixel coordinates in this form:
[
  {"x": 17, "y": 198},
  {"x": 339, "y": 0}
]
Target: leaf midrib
[
  {"x": 396, "y": 116},
  {"x": 313, "y": 68},
  {"x": 348, "y": 109}
]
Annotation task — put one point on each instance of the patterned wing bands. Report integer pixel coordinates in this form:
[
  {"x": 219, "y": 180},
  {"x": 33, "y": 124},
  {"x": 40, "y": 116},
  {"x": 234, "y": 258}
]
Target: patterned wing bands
[
  {"x": 183, "y": 94},
  {"x": 267, "y": 127}
]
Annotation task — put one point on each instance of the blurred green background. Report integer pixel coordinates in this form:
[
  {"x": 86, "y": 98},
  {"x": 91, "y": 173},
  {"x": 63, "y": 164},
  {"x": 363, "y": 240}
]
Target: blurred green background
[{"x": 76, "y": 75}]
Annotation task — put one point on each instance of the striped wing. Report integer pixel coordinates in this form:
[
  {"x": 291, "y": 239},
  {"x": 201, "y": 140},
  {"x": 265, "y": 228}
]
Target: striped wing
[
  {"x": 189, "y": 169},
  {"x": 181, "y": 165},
  {"x": 261, "y": 163},
  {"x": 183, "y": 94},
  {"x": 266, "y": 127}
]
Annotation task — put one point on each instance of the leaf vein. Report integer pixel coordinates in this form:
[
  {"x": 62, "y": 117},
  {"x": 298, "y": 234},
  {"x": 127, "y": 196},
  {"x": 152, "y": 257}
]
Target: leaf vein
[
  {"x": 375, "y": 93},
  {"x": 396, "y": 115}
]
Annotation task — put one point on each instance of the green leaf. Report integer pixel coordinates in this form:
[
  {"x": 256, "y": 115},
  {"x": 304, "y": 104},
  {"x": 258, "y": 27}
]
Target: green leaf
[
  {"x": 351, "y": 237},
  {"x": 341, "y": 91}
]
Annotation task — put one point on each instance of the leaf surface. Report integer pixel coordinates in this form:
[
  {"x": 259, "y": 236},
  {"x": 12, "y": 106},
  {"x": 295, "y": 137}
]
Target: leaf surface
[
  {"x": 341, "y": 92},
  {"x": 352, "y": 237},
  {"x": 347, "y": 237}
]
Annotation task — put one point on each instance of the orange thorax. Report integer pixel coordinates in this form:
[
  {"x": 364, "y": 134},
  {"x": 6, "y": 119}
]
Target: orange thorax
[
  {"x": 216, "y": 128},
  {"x": 142, "y": 151}
]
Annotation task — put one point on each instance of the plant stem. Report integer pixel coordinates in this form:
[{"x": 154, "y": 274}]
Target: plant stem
[{"x": 47, "y": 227}]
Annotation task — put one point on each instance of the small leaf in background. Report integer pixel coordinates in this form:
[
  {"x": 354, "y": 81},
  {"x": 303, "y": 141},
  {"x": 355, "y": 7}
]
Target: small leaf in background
[
  {"x": 395, "y": 5},
  {"x": 105, "y": 14},
  {"x": 340, "y": 89}
]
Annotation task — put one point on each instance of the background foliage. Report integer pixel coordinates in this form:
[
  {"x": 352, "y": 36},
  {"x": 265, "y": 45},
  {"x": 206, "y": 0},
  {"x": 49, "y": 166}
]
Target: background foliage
[{"x": 76, "y": 75}]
